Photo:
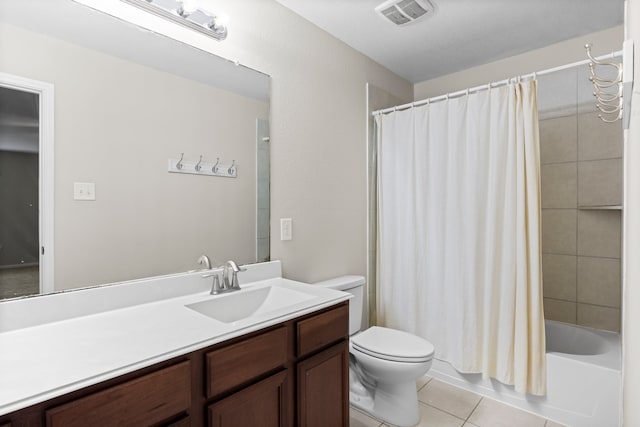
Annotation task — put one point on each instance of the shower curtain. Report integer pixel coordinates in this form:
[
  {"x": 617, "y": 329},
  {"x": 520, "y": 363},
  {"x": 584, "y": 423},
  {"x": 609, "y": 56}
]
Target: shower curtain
[{"x": 459, "y": 231}]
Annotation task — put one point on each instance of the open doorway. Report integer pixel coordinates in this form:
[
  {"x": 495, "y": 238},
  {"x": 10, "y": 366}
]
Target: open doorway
[
  {"x": 19, "y": 222},
  {"x": 26, "y": 187}
]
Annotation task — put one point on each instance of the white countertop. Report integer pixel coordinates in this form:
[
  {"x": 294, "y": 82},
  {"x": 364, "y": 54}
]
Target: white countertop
[{"x": 44, "y": 361}]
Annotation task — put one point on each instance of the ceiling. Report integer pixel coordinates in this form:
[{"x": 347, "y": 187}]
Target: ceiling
[{"x": 460, "y": 33}]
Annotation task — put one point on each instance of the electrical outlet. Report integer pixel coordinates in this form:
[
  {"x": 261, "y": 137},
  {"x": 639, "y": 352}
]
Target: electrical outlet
[{"x": 286, "y": 229}]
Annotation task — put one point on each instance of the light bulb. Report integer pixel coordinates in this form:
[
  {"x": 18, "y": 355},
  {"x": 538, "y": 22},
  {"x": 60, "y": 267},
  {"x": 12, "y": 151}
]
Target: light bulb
[{"x": 190, "y": 6}]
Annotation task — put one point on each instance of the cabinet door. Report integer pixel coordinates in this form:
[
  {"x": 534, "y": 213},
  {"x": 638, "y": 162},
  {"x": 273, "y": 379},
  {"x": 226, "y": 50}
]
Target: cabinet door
[
  {"x": 323, "y": 388},
  {"x": 263, "y": 404}
]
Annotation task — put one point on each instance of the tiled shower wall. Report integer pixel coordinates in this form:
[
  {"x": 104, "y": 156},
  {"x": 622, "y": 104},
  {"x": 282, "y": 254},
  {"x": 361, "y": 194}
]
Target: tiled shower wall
[{"x": 581, "y": 168}]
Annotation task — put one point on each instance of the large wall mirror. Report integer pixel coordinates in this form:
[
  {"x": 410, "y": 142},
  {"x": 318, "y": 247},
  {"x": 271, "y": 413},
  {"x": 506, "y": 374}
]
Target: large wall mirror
[{"x": 126, "y": 102}]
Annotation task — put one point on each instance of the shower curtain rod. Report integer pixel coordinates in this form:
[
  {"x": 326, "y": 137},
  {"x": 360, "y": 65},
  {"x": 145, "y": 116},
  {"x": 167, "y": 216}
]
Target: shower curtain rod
[{"x": 493, "y": 84}]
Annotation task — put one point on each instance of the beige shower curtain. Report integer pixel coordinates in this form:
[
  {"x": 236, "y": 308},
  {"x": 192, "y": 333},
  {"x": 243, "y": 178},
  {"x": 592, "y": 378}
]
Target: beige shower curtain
[{"x": 459, "y": 231}]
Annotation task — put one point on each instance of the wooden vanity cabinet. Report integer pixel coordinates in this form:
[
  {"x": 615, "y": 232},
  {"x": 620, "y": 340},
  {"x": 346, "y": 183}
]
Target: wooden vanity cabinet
[
  {"x": 292, "y": 374},
  {"x": 263, "y": 404},
  {"x": 323, "y": 378}
]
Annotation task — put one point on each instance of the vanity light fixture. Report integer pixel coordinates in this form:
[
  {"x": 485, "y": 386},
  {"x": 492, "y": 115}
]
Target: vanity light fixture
[{"x": 197, "y": 19}]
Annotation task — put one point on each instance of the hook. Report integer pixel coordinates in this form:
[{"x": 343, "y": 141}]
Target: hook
[
  {"x": 198, "y": 167},
  {"x": 232, "y": 167},
  {"x": 180, "y": 165},
  {"x": 214, "y": 169}
]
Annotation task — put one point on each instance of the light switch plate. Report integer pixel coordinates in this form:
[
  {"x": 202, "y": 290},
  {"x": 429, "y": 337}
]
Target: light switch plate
[
  {"x": 84, "y": 191},
  {"x": 286, "y": 229}
]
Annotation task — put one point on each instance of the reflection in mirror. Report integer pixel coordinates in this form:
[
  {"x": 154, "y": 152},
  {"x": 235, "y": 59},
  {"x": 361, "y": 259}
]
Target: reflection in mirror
[{"x": 127, "y": 101}]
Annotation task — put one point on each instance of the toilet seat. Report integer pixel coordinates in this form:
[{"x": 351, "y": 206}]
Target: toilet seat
[{"x": 393, "y": 345}]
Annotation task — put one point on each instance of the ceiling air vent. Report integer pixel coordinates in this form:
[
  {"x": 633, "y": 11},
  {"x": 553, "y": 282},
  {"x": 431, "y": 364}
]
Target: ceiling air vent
[{"x": 402, "y": 12}]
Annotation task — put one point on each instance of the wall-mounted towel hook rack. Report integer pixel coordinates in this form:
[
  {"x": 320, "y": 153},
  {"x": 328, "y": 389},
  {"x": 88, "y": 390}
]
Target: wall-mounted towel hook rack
[
  {"x": 613, "y": 93},
  {"x": 203, "y": 168}
]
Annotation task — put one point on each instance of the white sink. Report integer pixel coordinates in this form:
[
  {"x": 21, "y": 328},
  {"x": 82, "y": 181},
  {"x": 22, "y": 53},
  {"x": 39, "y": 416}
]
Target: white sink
[{"x": 249, "y": 303}]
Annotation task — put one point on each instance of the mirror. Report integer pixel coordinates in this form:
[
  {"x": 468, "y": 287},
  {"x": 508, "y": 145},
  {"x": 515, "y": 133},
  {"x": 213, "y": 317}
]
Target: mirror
[{"x": 127, "y": 101}]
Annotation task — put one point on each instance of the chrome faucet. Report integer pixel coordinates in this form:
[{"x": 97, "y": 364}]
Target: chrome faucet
[
  {"x": 215, "y": 286},
  {"x": 226, "y": 285},
  {"x": 233, "y": 285},
  {"x": 205, "y": 260}
]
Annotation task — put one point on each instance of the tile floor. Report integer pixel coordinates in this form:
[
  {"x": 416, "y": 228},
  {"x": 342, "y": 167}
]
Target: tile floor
[{"x": 443, "y": 405}]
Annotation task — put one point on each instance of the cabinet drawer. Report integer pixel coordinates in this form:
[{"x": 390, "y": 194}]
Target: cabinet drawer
[
  {"x": 263, "y": 404},
  {"x": 321, "y": 330},
  {"x": 143, "y": 401},
  {"x": 244, "y": 361}
]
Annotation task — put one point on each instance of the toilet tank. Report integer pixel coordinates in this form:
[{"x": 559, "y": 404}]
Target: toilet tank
[{"x": 355, "y": 286}]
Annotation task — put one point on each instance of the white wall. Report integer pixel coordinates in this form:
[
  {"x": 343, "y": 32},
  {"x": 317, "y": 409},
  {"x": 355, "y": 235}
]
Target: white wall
[
  {"x": 318, "y": 134},
  {"x": 631, "y": 239}
]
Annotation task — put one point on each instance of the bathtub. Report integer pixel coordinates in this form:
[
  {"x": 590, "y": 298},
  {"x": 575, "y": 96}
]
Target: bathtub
[{"x": 584, "y": 382}]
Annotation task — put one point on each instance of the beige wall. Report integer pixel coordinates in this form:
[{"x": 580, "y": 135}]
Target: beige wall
[
  {"x": 536, "y": 60},
  {"x": 318, "y": 128},
  {"x": 631, "y": 240},
  {"x": 116, "y": 124},
  {"x": 318, "y": 134}
]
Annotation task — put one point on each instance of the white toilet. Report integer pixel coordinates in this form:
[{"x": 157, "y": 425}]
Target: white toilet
[{"x": 384, "y": 363}]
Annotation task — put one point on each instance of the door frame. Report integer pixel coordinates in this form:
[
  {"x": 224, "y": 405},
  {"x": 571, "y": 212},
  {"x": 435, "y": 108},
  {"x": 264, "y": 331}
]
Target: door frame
[{"x": 45, "y": 173}]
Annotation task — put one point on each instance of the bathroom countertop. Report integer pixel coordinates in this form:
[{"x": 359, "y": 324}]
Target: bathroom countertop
[{"x": 48, "y": 360}]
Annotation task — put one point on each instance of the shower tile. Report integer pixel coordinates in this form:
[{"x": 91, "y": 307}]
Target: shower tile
[
  {"x": 598, "y": 317},
  {"x": 559, "y": 276},
  {"x": 559, "y": 185},
  {"x": 600, "y": 182},
  {"x": 559, "y": 231},
  {"x": 448, "y": 398},
  {"x": 562, "y": 311},
  {"x": 597, "y": 139},
  {"x": 491, "y": 413},
  {"x": 558, "y": 140},
  {"x": 599, "y": 281},
  {"x": 599, "y": 233}
]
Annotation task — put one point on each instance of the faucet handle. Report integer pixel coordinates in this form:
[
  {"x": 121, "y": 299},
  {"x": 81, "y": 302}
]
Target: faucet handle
[{"x": 215, "y": 286}]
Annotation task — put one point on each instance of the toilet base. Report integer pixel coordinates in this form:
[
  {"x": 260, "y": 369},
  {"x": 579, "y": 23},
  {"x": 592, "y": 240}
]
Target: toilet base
[{"x": 395, "y": 404}]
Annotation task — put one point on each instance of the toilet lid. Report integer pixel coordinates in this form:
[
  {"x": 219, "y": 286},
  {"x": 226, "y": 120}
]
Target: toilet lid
[{"x": 391, "y": 344}]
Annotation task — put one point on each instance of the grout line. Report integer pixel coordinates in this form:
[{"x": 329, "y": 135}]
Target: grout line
[
  {"x": 445, "y": 411},
  {"x": 474, "y": 409},
  {"x": 425, "y": 384},
  {"x": 581, "y": 256}
]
